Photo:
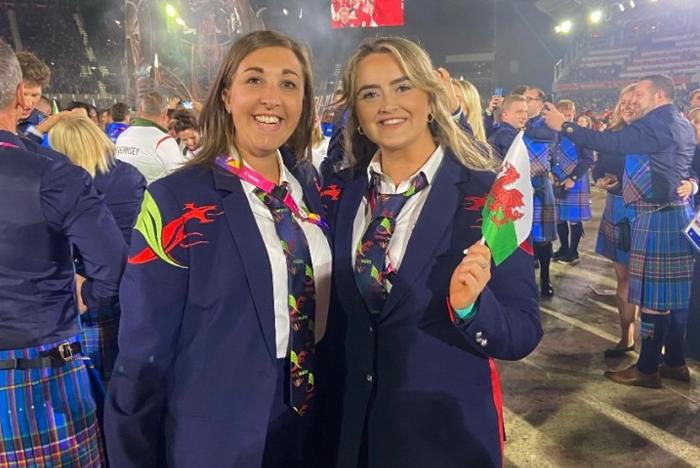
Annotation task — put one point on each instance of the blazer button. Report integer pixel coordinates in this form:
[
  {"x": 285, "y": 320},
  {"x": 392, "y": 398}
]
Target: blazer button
[
  {"x": 484, "y": 342},
  {"x": 371, "y": 329},
  {"x": 370, "y": 378},
  {"x": 479, "y": 335}
]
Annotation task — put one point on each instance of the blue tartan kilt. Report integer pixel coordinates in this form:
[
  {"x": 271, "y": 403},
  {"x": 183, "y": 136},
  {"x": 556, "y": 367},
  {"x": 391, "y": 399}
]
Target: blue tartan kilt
[
  {"x": 544, "y": 221},
  {"x": 608, "y": 241},
  {"x": 48, "y": 415},
  {"x": 576, "y": 205},
  {"x": 661, "y": 259},
  {"x": 99, "y": 340}
]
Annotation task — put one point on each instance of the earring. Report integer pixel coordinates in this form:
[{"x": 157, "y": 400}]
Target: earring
[
  {"x": 359, "y": 130},
  {"x": 431, "y": 117}
]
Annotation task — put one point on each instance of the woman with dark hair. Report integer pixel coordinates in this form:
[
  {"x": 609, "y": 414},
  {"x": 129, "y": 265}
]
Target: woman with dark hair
[
  {"x": 417, "y": 319},
  {"x": 228, "y": 281}
]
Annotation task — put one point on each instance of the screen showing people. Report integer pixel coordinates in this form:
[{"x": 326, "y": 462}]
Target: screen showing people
[{"x": 366, "y": 13}]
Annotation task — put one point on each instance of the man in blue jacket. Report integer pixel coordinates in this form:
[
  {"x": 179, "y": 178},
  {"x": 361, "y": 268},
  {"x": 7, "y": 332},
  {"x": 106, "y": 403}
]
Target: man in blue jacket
[
  {"x": 47, "y": 410},
  {"x": 659, "y": 149}
]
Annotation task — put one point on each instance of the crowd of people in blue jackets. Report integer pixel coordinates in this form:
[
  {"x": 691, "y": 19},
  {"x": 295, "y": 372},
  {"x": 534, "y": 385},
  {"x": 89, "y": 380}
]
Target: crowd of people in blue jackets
[{"x": 181, "y": 291}]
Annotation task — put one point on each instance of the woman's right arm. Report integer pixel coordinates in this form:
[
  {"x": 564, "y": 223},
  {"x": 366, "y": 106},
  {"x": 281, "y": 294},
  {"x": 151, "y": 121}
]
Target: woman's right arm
[{"x": 152, "y": 297}]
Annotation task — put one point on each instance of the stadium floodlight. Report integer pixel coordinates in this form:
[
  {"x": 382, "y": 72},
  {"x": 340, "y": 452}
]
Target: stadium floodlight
[
  {"x": 632, "y": 4},
  {"x": 285, "y": 12},
  {"x": 170, "y": 10},
  {"x": 557, "y": 29},
  {"x": 596, "y": 16},
  {"x": 566, "y": 26},
  {"x": 180, "y": 21},
  {"x": 621, "y": 6}
]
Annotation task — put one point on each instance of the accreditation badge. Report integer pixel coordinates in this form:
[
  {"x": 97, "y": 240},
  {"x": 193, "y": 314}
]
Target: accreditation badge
[{"x": 692, "y": 231}]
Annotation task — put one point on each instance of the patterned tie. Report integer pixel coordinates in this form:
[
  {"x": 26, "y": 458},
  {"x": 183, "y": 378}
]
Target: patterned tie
[
  {"x": 301, "y": 301},
  {"x": 371, "y": 272}
]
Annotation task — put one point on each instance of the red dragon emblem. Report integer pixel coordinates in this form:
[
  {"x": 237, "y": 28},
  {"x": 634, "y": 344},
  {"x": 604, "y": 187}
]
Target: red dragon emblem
[
  {"x": 501, "y": 203},
  {"x": 160, "y": 244}
]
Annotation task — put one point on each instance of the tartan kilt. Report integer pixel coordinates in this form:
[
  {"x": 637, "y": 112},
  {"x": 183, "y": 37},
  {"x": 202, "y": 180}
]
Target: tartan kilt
[
  {"x": 544, "y": 221},
  {"x": 99, "y": 340},
  {"x": 576, "y": 205},
  {"x": 48, "y": 415},
  {"x": 661, "y": 259},
  {"x": 608, "y": 241}
]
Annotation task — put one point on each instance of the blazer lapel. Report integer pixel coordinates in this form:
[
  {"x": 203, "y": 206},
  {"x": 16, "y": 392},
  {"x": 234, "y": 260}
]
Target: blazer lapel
[
  {"x": 435, "y": 218},
  {"x": 246, "y": 236},
  {"x": 346, "y": 288}
]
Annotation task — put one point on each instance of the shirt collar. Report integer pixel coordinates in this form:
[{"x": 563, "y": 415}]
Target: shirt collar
[
  {"x": 285, "y": 177},
  {"x": 386, "y": 185}
]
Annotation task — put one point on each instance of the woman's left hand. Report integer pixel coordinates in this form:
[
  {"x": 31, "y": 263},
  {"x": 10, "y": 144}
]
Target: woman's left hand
[{"x": 470, "y": 277}]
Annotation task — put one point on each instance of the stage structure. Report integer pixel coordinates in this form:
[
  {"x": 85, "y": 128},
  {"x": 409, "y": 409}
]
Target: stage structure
[{"x": 176, "y": 46}]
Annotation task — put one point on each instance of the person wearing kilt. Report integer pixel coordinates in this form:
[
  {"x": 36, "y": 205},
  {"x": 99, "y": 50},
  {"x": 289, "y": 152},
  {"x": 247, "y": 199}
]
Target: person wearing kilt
[
  {"x": 540, "y": 141},
  {"x": 514, "y": 117},
  {"x": 614, "y": 231},
  {"x": 47, "y": 409},
  {"x": 658, "y": 149},
  {"x": 570, "y": 164}
]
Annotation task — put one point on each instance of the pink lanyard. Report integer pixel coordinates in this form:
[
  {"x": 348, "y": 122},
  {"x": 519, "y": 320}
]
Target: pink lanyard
[
  {"x": 247, "y": 174},
  {"x": 4, "y": 144}
]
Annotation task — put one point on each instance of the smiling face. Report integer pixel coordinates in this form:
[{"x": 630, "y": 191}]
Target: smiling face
[
  {"x": 515, "y": 114},
  {"x": 391, "y": 111},
  {"x": 627, "y": 107},
  {"x": 265, "y": 100},
  {"x": 190, "y": 138}
]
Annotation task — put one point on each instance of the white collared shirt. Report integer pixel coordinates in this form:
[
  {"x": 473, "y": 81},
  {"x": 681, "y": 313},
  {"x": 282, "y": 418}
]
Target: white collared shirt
[
  {"x": 320, "y": 259},
  {"x": 408, "y": 217}
]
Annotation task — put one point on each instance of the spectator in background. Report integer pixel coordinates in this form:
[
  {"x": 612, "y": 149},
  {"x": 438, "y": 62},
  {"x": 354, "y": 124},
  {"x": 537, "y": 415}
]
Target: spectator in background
[
  {"x": 105, "y": 118},
  {"x": 35, "y": 76},
  {"x": 121, "y": 185},
  {"x": 84, "y": 108},
  {"x": 187, "y": 131},
  {"x": 694, "y": 100},
  {"x": 44, "y": 107},
  {"x": 120, "y": 116},
  {"x": 146, "y": 144},
  {"x": 470, "y": 101},
  {"x": 319, "y": 144},
  {"x": 584, "y": 121}
]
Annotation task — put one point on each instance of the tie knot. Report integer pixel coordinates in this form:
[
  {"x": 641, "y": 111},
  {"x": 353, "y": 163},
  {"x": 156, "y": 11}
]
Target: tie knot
[
  {"x": 274, "y": 200},
  {"x": 389, "y": 205}
]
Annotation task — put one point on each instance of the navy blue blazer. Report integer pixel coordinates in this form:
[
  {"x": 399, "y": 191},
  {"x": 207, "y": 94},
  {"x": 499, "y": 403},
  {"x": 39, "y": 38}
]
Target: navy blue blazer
[
  {"x": 663, "y": 134},
  {"x": 420, "y": 382},
  {"x": 194, "y": 381}
]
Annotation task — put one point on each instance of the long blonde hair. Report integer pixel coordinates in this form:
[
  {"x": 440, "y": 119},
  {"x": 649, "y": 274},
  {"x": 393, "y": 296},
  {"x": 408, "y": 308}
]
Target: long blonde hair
[
  {"x": 472, "y": 100},
  {"x": 85, "y": 144},
  {"x": 617, "y": 123},
  {"x": 416, "y": 65},
  {"x": 217, "y": 125}
]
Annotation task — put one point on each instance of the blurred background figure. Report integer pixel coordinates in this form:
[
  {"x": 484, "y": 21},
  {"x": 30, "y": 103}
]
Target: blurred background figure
[
  {"x": 186, "y": 128},
  {"x": 120, "y": 116},
  {"x": 319, "y": 144},
  {"x": 470, "y": 102},
  {"x": 121, "y": 186}
]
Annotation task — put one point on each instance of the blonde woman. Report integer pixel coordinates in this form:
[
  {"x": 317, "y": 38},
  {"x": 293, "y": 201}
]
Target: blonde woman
[
  {"x": 419, "y": 318},
  {"x": 121, "y": 185},
  {"x": 470, "y": 101}
]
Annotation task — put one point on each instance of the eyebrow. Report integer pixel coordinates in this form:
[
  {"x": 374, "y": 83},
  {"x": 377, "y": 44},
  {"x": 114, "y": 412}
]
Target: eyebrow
[
  {"x": 392, "y": 82},
  {"x": 285, "y": 71}
]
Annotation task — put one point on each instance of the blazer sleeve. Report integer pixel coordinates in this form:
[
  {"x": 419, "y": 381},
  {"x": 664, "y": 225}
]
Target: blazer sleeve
[
  {"x": 153, "y": 295},
  {"x": 506, "y": 324},
  {"x": 642, "y": 137}
]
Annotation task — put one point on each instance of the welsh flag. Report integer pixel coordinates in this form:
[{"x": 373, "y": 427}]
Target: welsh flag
[{"x": 507, "y": 212}]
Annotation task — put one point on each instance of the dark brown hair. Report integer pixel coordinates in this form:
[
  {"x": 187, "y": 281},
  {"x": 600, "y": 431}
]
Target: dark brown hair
[{"x": 217, "y": 125}]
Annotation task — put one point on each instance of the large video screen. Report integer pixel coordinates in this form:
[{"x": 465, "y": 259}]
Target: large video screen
[{"x": 366, "y": 13}]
